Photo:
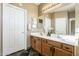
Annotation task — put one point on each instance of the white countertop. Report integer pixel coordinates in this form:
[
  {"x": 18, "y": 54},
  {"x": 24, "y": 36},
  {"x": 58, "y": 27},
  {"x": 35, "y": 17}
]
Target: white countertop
[{"x": 71, "y": 40}]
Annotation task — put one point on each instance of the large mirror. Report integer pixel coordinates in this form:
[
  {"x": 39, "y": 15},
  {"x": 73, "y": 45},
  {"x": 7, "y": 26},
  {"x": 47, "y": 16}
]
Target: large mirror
[
  {"x": 59, "y": 22},
  {"x": 65, "y": 22}
]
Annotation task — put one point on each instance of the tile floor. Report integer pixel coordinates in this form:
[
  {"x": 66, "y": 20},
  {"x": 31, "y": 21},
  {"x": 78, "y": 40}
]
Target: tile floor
[{"x": 29, "y": 52}]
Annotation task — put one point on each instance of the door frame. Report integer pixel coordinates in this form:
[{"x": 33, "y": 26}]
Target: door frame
[
  {"x": 70, "y": 20},
  {"x": 25, "y": 24}
]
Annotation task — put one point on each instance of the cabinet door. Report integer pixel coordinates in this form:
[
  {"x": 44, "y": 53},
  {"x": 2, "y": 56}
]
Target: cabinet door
[
  {"x": 38, "y": 45},
  {"x": 60, "y": 52},
  {"x": 47, "y": 49},
  {"x": 33, "y": 42}
]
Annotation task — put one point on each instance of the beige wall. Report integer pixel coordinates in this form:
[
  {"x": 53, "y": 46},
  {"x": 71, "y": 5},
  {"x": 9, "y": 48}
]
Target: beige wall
[
  {"x": 32, "y": 12},
  {"x": 77, "y": 26},
  {"x": 0, "y": 28}
]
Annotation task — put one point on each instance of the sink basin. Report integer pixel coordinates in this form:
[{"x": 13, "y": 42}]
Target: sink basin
[
  {"x": 65, "y": 38},
  {"x": 54, "y": 35}
]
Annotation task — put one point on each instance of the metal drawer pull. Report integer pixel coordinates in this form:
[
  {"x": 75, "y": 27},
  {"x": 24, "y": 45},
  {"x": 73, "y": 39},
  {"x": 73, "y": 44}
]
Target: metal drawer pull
[{"x": 66, "y": 47}]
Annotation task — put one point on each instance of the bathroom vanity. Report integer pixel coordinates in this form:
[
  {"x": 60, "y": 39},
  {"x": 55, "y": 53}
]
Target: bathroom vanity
[{"x": 49, "y": 46}]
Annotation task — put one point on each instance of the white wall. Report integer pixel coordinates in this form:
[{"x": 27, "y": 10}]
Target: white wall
[{"x": 77, "y": 26}]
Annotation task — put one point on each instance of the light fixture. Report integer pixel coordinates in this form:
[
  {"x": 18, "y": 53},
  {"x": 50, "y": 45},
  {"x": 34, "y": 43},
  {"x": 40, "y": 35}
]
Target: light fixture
[{"x": 51, "y": 7}]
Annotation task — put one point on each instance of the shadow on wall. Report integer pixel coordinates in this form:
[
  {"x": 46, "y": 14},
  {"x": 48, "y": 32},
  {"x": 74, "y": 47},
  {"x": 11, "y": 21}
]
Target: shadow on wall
[{"x": 0, "y": 28}]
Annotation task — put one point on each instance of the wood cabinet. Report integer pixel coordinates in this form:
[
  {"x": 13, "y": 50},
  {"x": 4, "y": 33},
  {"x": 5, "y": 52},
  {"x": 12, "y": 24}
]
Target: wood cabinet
[
  {"x": 68, "y": 48},
  {"x": 61, "y": 49},
  {"x": 61, "y": 52},
  {"x": 46, "y": 48},
  {"x": 33, "y": 42},
  {"x": 54, "y": 43},
  {"x": 38, "y": 45},
  {"x": 51, "y": 48}
]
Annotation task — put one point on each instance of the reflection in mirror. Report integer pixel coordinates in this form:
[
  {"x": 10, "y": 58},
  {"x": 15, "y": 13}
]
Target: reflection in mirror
[
  {"x": 47, "y": 25},
  {"x": 62, "y": 22},
  {"x": 72, "y": 26},
  {"x": 71, "y": 22},
  {"x": 34, "y": 24},
  {"x": 60, "y": 26}
]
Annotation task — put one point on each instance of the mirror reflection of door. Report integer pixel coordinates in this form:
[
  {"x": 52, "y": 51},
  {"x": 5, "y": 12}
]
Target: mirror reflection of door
[{"x": 72, "y": 26}]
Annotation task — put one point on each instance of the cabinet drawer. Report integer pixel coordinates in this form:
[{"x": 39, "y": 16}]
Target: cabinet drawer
[
  {"x": 46, "y": 49},
  {"x": 68, "y": 47},
  {"x": 61, "y": 52},
  {"x": 54, "y": 43}
]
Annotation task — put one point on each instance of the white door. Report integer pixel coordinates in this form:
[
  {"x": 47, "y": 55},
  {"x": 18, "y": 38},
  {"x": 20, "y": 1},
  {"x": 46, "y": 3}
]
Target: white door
[
  {"x": 6, "y": 34},
  {"x": 13, "y": 29},
  {"x": 60, "y": 25},
  {"x": 19, "y": 30}
]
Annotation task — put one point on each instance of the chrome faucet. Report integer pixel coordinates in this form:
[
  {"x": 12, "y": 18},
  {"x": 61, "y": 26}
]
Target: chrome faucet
[{"x": 41, "y": 33}]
